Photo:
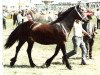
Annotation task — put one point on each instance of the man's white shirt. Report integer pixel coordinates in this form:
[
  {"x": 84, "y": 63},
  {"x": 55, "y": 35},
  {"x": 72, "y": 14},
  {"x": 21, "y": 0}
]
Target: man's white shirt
[{"x": 77, "y": 29}]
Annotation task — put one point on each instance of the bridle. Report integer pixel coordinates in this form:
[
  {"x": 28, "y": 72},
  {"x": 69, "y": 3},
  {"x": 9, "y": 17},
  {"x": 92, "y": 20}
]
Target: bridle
[{"x": 79, "y": 14}]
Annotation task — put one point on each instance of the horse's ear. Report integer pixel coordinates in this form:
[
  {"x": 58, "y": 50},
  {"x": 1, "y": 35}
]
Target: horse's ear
[{"x": 78, "y": 6}]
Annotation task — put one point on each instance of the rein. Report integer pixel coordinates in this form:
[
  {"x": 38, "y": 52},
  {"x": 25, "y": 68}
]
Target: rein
[
  {"x": 79, "y": 13},
  {"x": 64, "y": 30}
]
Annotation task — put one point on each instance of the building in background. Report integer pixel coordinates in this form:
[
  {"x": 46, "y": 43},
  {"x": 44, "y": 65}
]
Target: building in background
[{"x": 16, "y": 5}]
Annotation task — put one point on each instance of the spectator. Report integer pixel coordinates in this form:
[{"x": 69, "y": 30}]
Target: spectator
[
  {"x": 29, "y": 16},
  {"x": 15, "y": 19},
  {"x": 4, "y": 22},
  {"x": 98, "y": 18},
  {"x": 19, "y": 18}
]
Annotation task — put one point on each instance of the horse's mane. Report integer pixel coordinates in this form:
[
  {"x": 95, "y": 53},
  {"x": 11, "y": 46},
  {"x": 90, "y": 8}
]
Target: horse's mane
[
  {"x": 62, "y": 15},
  {"x": 65, "y": 13}
]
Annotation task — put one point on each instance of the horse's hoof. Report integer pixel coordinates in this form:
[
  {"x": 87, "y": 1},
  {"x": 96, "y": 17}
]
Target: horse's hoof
[
  {"x": 12, "y": 63},
  {"x": 47, "y": 65},
  {"x": 13, "y": 60},
  {"x": 70, "y": 68},
  {"x": 33, "y": 65}
]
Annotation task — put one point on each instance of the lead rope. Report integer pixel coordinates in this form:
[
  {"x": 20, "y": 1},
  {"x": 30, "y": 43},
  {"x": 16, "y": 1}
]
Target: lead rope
[{"x": 64, "y": 29}]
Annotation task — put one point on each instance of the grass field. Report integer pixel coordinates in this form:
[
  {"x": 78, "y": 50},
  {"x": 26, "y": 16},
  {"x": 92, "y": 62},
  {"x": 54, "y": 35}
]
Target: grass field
[{"x": 40, "y": 53}]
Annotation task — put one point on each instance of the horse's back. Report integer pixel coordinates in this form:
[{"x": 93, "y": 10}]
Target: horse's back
[{"x": 41, "y": 33}]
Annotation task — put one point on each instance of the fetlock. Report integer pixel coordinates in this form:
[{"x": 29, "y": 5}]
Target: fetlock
[{"x": 13, "y": 59}]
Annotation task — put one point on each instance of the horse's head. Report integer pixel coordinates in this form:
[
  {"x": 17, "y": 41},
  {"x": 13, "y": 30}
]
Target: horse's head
[
  {"x": 74, "y": 12},
  {"x": 80, "y": 13},
  {"x": 68, "y": 17}
]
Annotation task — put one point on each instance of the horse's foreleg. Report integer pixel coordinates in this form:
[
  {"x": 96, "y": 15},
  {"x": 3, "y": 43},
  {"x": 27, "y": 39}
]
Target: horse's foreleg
[
  {"x": 13, "y": 60},
  {"x": 29, "y": 50},
  {"x": 64, "y": 56},
  {"x": 48, "y": 62}
]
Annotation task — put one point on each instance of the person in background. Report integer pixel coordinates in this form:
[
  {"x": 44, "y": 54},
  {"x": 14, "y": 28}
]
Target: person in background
[
  {"x": 19, "y": 18},
  {"x": 91, "y": 29},
  {"x": 4, "y": 20},
  {"x": 23, "y": 15},
  {"x": 29, "y": 16},
  {"x": 98, "y": 18},
  {"x": 15, "y": 19}
]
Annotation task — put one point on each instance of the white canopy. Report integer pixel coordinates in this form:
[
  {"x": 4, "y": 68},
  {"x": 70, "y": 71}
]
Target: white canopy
[
  {"x": 75, "y": 1},
  {"x": 93, "y": 0}
]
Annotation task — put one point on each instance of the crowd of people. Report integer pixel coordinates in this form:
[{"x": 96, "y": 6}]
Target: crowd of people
[
  {"x": 21, "y": 17},
  {"x": 18, "y": 17},
  {"x": 25, "y": 15}
]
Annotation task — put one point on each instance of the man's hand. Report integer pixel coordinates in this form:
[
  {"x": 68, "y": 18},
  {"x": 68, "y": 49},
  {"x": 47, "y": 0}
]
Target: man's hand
[{"x": 90, "y": 36}]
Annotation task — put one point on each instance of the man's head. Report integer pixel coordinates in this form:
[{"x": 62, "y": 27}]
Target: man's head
[{"x": 89, "y": 17}]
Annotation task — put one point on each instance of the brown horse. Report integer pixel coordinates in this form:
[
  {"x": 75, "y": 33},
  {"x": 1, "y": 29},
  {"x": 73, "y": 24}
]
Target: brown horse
[{"x": 46, "y": 34}]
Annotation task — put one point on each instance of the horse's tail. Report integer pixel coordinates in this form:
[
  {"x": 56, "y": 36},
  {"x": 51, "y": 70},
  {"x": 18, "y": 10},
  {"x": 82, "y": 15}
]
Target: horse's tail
[
  {"x": 21, "y": 31},
  {"x": 13, "y": 37}
]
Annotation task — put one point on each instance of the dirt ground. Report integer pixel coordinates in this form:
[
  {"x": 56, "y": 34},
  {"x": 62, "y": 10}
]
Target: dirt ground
[{"x": 40, "y": 53}]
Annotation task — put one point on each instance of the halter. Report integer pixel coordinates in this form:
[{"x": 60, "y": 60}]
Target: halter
[{"x": 79, "y": 13}]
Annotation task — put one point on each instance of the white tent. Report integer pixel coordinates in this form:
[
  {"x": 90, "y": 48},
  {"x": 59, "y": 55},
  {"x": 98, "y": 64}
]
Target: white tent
[
  {"x": 93, "y": 0},
  {"x": 72, "y": 1},
  {"x": 75, "y": 1}
]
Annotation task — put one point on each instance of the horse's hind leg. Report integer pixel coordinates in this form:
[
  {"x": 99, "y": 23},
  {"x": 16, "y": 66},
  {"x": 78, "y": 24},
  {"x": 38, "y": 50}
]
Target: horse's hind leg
[
  {"x": 29, "y": 50},
  {"x": 48, "y": 62},
  {"x": 64, "y": 56},
  {"x": 13, "y": 60}
]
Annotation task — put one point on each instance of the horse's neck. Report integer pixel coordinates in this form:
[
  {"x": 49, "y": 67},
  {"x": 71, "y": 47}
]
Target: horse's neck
[{"x": 68, "y": 23}]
